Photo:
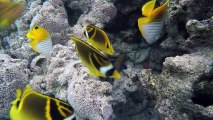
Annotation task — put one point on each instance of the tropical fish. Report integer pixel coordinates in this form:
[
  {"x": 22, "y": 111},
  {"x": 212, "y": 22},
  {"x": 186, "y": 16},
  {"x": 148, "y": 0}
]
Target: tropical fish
[
  {"x": 151, "y": 26},
  {"x": 99, "y": 39},
  {"x": 41, "y": 40},
  {"x": 9, "y": 12},
  {"x": 96, "y": 63},
  {"x": 32, "y": 105}
]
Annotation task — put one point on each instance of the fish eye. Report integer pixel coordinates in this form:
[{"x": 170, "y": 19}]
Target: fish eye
[{"x": 36, "y": 27}]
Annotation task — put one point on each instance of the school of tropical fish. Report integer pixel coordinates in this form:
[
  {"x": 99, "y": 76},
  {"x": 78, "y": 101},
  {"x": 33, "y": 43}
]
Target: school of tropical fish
[{"x": 31, "y": 105}]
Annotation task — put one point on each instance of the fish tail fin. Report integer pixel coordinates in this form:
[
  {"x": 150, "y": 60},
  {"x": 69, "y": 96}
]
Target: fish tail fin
[{"x": 116, "y": 74}]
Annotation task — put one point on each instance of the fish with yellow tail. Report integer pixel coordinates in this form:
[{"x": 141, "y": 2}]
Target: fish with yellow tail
[
  {"x": 151, "y": 26},
  {"x": 96, "y": 63},
  {"x": 32, "y": 105},
  {"x": 9, "y": 12},
  {"x": 99, "y": 39},
  {"x": 40, "y": 40}
]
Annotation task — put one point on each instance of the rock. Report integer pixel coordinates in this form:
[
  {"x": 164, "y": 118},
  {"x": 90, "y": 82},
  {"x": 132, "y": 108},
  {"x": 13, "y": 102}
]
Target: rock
[
  {"x": 91, "y": 99},
  {"x": 178, "y": 25},
  {"x": 173, "y": 87}
]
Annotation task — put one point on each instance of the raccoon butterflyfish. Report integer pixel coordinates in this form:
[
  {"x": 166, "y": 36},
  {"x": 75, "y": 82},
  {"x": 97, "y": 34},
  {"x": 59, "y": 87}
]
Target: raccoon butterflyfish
[
  {"x": 99, "y": 39},
  {"x": 40, "y": 40},
  {"x": 9, "y": 12},
  {"x": 151, "y": 26},
  {"x": 96, "y": 63},
  {"x": 32, "y": 105}
]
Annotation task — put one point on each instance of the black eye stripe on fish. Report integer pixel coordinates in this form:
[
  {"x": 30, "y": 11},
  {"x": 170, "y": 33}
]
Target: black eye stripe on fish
[
  {"x": 94, "y": 61},
  {"x": 18, "y": 103},
  {"x": 107, "y": 46}
]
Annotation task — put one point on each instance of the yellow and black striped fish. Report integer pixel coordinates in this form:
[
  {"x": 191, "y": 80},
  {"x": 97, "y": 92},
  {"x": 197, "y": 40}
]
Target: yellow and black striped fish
[
  {"x": 9, "y": 12},
  {"x": 32, "y": 105},
  {"x": 96, "y": 63},
  {"x": 99, "y": 39}
]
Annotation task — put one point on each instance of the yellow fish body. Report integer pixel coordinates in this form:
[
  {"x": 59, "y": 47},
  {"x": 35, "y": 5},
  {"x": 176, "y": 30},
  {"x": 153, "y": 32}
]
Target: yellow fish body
[
  {"x": 32, "y": 105},
  {"x": 95, "y": 62},
  {"x": 40, "y": 40},
  {"x": 151, "y": 26},
  {"x": 99, "y": 39},
  {"x": 9, "y": 12}
]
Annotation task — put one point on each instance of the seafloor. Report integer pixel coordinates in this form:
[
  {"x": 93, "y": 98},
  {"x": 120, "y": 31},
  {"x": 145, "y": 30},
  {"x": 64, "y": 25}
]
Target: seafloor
[{"x": 171, "y": 79}]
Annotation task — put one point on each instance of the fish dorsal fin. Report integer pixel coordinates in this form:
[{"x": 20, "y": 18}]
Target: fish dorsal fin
[
  {"x": 159, "y": 12},
  {"x": 148, "y": 8},
  {"x": 27, "y": 90},
  {"x": 75, "y": 39}
]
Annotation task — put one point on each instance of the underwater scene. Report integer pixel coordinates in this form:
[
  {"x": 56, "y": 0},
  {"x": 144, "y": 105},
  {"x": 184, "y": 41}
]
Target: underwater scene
[{"x": 106, "y": 60}]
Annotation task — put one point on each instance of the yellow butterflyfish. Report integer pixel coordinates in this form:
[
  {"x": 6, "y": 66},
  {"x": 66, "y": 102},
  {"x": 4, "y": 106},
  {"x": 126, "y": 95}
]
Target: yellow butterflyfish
[
  {"x": 32, "y": 105},
  {"x": 151, "y": 26},
  {"x": 9, "y": 12},
  {"x": 96, "y": 63},
  {"x": 41, "y": 41},
  {"x": 99, "y": 39}
]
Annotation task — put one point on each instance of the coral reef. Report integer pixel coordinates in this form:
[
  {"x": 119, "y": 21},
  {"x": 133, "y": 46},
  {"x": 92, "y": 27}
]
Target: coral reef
[
  {"x": 173, "y": 87},
  {"x": 91, "y": 98},
  {"x": 13, "y": 75},
  {"x": 182, "y": 19}
]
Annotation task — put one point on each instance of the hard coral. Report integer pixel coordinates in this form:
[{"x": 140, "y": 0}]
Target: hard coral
[
  {"x": 91, "y": 98},
  {"x": 13, "y": 75},
  {"x": 180, "y": 15},
  {"x": 173, "y": 87}
]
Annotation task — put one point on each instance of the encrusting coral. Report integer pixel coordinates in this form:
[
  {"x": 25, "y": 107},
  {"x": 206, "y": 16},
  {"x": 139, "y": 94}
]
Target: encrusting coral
[{"x": 13, "y": 75}]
